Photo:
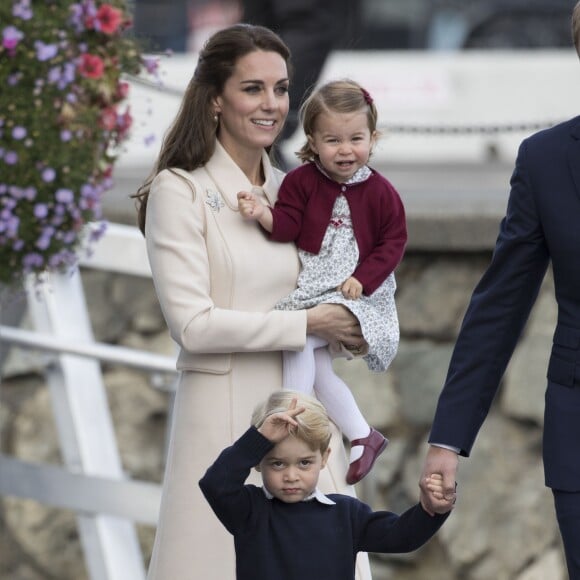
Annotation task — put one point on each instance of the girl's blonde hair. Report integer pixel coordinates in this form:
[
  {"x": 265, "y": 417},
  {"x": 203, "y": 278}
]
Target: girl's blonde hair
[
  {"x": 313, "y": 423},
  {"x": 340, "y": 96}
]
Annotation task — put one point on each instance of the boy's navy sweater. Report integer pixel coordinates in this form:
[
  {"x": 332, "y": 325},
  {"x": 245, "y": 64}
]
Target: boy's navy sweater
[{"x": 308, "y": 540}]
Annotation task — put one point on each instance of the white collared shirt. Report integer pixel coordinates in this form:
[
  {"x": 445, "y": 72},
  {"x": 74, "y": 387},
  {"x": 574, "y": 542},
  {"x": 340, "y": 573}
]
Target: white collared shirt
[{"x": 316, "y": 494}]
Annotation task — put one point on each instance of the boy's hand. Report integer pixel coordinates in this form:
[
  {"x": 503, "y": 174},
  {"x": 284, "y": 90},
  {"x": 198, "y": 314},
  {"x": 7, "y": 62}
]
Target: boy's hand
[
  {"x": 434, "y": 484},
  {"x": 278, "y": 426},
  {"x": 351, "y": 288},
  {"x": 249, "y": 205}
]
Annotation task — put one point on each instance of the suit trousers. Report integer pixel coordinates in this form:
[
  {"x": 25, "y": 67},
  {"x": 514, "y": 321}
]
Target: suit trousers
[{"x": 568, "y": 512}]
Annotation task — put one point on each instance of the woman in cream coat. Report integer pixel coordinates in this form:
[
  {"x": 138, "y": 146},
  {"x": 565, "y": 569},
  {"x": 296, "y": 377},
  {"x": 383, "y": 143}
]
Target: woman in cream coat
[{"x": 217, "y": 278}]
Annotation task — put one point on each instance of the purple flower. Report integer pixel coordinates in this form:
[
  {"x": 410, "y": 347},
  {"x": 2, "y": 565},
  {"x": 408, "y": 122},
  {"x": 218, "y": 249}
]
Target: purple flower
[
  {"x": 40, "y": 210},
  {"x": 48, "y": 174},
  {"x": 149, "y": 139},
  {"x": 54, "y": 75},
  {"x": 14, "y": 79},
  {"x": 11, "y": 157},
  {"x": 45, "y": 238},
  {"x": 29, "y": 193},
  {"x": 62, "y": 258},
  {"x": 69, "y": 72},
  {"x": 19, "y": 132},
  {"x": 11, "y": 36},
  {"x": 22, "y": 10},
  {"x": 97, "y": 231},
  {"x": 33, "y": 260},
  {"x": 77, "y": 17},
  {"x": 64, "y": 195},
  {"x": 69, "y": 237},
  {"x": 151, "y": 65},
  {"x": 9, "y": 225},
  {"x": 45, "y": 51},
  {"x": 65, "y": 135},
  {"x": 15, "y": 192}
]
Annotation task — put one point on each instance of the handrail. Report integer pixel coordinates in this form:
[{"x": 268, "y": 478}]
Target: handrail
[{"x": 108, "y": 353}]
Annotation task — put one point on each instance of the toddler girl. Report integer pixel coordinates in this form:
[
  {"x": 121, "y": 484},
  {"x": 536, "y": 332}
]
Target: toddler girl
[{"x": 349, "y": 225}]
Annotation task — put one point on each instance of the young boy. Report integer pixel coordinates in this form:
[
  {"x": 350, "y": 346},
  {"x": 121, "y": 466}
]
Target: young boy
[{"x": 288, "y": 528}]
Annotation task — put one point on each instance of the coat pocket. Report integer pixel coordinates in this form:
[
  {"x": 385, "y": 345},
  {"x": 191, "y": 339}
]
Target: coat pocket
[{"x": 213, "y": 364}]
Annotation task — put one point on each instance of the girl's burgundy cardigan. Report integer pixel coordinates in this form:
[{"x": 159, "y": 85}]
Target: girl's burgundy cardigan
[{"x": 304, "y": 208}]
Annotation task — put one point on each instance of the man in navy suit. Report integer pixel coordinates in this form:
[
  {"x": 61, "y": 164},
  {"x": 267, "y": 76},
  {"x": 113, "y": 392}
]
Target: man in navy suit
[{"x": 542, "y": 224}]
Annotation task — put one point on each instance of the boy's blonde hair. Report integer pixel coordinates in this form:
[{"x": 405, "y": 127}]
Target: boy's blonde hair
[
  {"x": 313, "y": 423},
  {"x": 340, "y": 96}
]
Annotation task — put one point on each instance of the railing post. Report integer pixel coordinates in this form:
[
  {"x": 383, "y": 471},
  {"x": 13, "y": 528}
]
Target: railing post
[{"x": 84, "y": 424}]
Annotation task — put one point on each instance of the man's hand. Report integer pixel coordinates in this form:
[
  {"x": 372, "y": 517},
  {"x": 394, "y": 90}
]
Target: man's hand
[{"x": 445, "y": 463}]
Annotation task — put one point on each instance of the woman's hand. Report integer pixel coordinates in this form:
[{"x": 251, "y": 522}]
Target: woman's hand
[{"x": 336, "y": 324}]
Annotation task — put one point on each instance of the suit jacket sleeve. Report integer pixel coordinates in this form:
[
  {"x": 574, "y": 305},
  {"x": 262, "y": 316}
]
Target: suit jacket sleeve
[
  {"x": 181, "y": 272},
  {"x": 495, "y": 317}
]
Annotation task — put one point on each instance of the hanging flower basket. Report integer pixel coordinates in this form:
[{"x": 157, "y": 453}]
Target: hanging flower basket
[{"x": 63, "y": 67}]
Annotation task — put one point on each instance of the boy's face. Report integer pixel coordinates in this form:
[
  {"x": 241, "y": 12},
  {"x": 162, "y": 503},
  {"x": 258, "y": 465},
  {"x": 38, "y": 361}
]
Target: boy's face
[{"x": 290, "y": 471}]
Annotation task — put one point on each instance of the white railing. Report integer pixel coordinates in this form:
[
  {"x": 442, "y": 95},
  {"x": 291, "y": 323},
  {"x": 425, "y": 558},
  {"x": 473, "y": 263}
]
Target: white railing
[{"x": 92, "y": 482}]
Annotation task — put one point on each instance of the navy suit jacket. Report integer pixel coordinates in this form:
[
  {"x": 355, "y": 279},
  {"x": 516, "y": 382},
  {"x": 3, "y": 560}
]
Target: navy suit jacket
[{"x": 542, "y": 224}]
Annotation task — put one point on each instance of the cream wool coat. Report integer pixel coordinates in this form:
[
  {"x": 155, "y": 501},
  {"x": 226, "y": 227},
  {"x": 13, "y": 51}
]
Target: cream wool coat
[{"x": 217, "y": 278}]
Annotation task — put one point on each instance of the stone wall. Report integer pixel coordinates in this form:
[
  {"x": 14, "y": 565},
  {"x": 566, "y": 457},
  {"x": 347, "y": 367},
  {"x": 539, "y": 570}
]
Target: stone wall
[{"x": 503, "y": 527}]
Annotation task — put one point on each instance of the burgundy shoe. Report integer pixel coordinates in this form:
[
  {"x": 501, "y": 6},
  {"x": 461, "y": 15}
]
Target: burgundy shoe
[{"x": 374, "y": 444}]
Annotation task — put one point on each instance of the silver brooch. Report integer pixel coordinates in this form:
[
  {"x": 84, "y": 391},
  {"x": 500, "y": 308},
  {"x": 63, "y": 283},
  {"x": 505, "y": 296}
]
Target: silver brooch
[{"x": 214, "y": 200}]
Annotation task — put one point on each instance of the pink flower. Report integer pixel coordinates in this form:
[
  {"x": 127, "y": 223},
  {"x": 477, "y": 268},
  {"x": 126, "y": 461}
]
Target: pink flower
[
  {"x": 11, "y": 36},
  {"x": 122, "y": 90},
  {"x": 108, "y": 120},
  {"x": 124, "y": 123},
  {"x": 109, "y": 19},
  {"x": 91, "y": 66}
]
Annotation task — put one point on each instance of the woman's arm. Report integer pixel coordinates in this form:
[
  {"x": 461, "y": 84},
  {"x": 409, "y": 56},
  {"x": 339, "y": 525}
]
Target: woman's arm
[{"x": 176, "y": 244}]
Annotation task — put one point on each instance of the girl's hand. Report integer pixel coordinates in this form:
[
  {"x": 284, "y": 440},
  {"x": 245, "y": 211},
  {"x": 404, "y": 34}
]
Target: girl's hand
[
  {"x": 278, "y": 426},
  {"x": 249, "y": 205},
  {"x": 351, "y": 288}
]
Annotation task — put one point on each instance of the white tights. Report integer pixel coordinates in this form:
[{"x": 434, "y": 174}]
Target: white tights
[{"x": 310, "y": 371}]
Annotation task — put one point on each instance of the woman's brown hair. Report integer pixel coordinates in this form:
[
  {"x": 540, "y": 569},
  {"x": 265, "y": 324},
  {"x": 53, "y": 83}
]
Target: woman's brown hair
[{"x": 190, "y": 141}]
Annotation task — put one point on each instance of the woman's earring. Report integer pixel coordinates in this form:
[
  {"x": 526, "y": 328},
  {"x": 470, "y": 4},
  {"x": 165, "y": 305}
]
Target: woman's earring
[{"x": 216, "y": 118}]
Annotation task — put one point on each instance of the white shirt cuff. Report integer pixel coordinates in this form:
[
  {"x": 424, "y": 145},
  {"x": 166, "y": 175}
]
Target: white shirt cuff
[{"x": 450, "y": 447}]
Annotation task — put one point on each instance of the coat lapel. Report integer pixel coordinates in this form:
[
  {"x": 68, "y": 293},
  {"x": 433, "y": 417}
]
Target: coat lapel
[{"x": 229, "y": 178}]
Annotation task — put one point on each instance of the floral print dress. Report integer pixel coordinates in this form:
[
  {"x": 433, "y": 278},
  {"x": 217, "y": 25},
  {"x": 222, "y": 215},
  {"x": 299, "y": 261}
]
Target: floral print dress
[{"x": 322, "y": 273}]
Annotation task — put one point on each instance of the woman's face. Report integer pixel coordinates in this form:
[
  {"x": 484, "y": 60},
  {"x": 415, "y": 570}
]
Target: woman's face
[{"x": 254, "y": 103}]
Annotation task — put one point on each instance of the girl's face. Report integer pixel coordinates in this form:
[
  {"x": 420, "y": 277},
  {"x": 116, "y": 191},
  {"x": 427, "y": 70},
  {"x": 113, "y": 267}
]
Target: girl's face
[
  {"x": 254, "y": 103},
  {"x": 343, "y": 143}
]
